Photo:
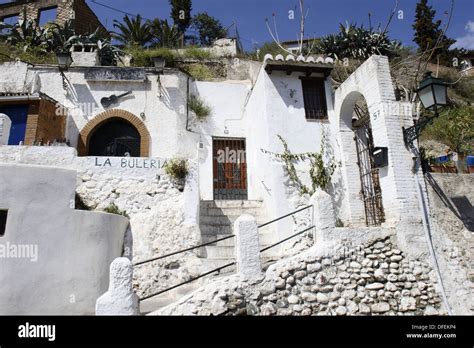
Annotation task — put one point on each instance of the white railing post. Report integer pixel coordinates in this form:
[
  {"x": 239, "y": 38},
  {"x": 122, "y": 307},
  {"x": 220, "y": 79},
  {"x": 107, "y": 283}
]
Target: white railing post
[
  {"x": 323, "y": 215},
  {"x": 120, "y": 299},
  {"x": 247, "y": 248}
]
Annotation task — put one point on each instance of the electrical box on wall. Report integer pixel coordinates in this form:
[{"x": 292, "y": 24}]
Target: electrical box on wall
[{"x": 380, "y": 157}]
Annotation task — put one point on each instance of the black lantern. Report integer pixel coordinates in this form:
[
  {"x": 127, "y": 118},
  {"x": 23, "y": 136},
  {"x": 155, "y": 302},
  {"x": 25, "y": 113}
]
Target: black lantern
[
  {"x": 159, "y": 62},
  {"x": 432, "y": 92},
  {"x": 64, "y": 60}
]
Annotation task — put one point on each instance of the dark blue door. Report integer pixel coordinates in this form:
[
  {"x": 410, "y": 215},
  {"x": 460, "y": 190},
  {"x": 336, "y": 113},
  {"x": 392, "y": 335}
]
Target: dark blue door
[{"x": 18, "y": 115}]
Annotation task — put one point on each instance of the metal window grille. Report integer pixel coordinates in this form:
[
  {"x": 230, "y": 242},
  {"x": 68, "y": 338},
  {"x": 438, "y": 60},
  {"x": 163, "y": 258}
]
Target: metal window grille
[{"x": 314, "y": 96}]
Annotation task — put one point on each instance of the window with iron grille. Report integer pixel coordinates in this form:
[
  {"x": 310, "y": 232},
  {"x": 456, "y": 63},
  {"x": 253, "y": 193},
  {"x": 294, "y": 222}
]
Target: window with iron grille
[{"x": 314, "y": 98}]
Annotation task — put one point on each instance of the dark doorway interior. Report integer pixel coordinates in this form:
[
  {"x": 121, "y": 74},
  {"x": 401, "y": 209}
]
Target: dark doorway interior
[{"x": 116, "y": 138}]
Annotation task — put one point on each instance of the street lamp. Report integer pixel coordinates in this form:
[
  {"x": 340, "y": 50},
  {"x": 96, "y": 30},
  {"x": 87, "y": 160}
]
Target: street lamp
[
  {"x": 433, "y": 93},
  {"x": 159, "y": 62},
  {"x": 64, "y": 60}
]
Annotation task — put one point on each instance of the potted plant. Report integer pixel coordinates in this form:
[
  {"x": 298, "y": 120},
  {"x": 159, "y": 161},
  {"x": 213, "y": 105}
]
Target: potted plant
[{"x": 177, "y": 169}]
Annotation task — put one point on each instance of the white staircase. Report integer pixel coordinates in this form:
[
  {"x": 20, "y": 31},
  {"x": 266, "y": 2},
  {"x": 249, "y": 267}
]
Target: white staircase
[{"x": 216, "y": 221}]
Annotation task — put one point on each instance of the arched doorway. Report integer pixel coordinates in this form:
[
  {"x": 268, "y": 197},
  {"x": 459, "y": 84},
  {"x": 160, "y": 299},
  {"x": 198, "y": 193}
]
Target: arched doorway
[
  {"x": 363, "y": 186},
  {"x": 371, "y": 192},
  {"x": 115, "y": 137},
  {"x": 114, "y": 132}
]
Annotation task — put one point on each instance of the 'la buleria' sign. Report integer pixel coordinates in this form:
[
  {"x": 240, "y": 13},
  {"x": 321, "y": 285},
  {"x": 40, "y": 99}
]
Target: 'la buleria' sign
[{"x": 129, "y": 162}]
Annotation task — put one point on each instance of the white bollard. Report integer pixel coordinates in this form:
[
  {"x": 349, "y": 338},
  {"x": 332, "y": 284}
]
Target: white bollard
[
  {"x": 323, "y": 215},
  {"x": 247, "y": 248},
  {"x": 120, "y": 299}
]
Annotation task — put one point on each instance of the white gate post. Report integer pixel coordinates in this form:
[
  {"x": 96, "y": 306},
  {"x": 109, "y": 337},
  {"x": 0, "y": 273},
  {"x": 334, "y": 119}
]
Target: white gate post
[
  {"x": 247, "y": 248},
  {"x": 120, "y": 299},
  {"x": 323, "y": 215}
]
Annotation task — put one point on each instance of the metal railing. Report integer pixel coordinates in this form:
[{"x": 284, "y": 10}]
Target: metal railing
[
  {"x": 182, "y": 251},
  {"x": 213, "y": 242},
  {"x": 186, "y": 282},
  {"x": 284, "y": 216}
]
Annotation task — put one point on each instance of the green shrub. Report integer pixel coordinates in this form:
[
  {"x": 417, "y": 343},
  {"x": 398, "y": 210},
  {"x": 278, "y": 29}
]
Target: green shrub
[
  {"x": 33, "y": 55},
  {"x": 177, "y": 168},
  {"x": 196, "y": 53},
  {"x": 143, "y": 57},
  {"x": 454, "y": 128},
  {"x": 199, "y": 107},
  {"x": 113, "y": 209},
  {"x": 199, "y": 72}
]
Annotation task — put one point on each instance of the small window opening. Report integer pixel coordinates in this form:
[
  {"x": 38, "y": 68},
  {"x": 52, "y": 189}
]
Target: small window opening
[
  {"x": 3, "y": 222},
  {"x": 47, "y": 15}
]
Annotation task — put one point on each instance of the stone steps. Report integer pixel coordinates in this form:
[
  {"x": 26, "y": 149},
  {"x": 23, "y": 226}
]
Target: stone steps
[
  {"x": 231, "y": 204},
  {"x": 215, "y": 220}
]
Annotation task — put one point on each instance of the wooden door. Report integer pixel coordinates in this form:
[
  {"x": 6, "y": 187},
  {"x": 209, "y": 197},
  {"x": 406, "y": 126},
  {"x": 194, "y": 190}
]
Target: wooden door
[{"x": 229, "y": 169}]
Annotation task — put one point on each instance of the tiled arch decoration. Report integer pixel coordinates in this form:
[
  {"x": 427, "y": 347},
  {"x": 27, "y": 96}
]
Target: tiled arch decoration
[{"x": 91, "y": 126}]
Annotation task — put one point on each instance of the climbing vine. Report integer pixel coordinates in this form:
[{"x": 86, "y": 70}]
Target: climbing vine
[{"x": 319, "y": 172}]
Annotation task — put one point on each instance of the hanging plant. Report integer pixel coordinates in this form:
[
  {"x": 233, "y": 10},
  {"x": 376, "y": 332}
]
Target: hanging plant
[{"x": 319, "y": 172}]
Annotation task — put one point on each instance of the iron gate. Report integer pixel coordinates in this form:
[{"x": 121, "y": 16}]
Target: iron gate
[
  {"x": 115, "y": 138},
  {"x": 230, "y": 169},
  {"x": 369, "y": 175}
]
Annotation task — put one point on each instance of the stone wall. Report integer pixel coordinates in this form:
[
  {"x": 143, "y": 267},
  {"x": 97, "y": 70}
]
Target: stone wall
[
  {"x": 373, "y": 278},
  {"x": 156, "y": 208},
  {"x": 44, "y": 124}
]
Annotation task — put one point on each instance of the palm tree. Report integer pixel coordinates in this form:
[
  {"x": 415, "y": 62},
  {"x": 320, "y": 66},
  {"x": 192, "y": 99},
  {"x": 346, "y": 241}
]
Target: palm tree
[
  {"x": 133, "y": 32},
  {"x": 165, "y": 35}
]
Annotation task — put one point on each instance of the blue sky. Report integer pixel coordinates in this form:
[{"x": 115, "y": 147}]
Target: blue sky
[{"x": 323, "y": 17}]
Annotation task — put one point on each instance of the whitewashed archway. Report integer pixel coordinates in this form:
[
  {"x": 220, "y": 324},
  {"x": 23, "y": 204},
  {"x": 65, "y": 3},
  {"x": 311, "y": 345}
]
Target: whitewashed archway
[{"x": 372, "y": 80}]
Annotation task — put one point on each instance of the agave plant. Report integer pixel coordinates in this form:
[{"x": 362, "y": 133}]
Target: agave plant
[
  {"x": 133, "y": 32},
  {"x": 164, "y": 35},
  {"x": 108, "y": 53},
  {"x": 27, "y": 34},
  {"x": 355, "y": 42},
  {"x": 61, "y": 38}
]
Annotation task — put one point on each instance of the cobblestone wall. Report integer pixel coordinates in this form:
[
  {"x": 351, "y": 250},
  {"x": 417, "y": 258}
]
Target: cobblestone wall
[{"x": 374, "y": 278}]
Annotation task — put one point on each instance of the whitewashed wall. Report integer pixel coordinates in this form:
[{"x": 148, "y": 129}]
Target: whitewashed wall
[
  {"x": 162, "y": 102},
  {"x": 276, "y": 107},
  {"x": 226, "y": 100},
  {"x": 74, "y": 248},
  {"x": 162, "y": 219}
]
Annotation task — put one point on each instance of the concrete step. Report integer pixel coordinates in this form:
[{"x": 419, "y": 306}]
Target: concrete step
[
  {"x": 217, "y": 252},
  {"x": 207, "y": 230},
  {"x": 209, "y": 264},
  {"x": 225, "y": 219},
  {"x": 231, "y": 204},
  {"x": 265, "y": 239},
  {"x": 160, "y": 301},
  {"x": 230, "y": 211}
]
